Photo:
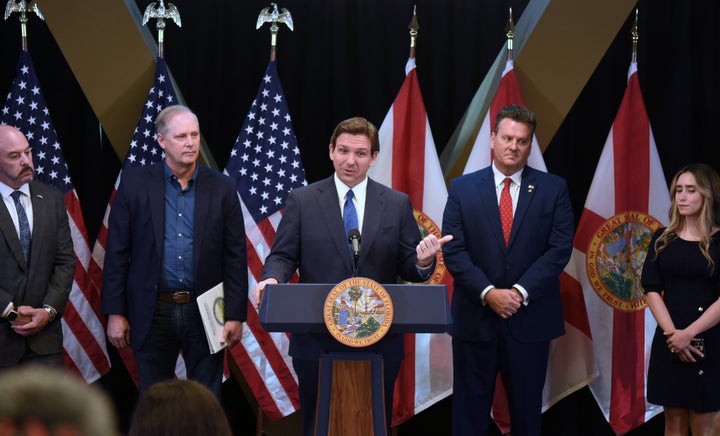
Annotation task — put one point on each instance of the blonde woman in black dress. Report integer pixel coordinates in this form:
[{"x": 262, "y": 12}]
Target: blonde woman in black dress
[{"x": 681, "y": 278}]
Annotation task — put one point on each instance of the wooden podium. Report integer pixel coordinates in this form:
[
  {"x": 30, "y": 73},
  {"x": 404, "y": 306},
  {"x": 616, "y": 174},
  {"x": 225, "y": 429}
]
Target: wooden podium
[{"x": 350, "y": 395}]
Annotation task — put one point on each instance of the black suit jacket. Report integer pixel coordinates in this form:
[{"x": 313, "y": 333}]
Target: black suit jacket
[
  {"x": 47, "y": 280},
  {"x": 136, "y": 229},
  {"x": 311, "y": 239}
]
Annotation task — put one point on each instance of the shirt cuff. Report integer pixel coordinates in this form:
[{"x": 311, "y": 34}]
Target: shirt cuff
[
  {"x": 482, "y": 294},
  {"x": 425, "y": 271},
  {"x": 524, "y": 293},
  {"x": 7, "y": 309}
]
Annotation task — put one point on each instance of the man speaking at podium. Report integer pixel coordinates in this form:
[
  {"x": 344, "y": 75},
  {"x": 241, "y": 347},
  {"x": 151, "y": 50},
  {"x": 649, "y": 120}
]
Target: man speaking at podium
[{"x": 313, "y": 238}]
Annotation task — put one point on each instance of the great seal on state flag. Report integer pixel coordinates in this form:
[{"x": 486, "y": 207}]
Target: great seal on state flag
[
  {"x": 615, "y": 257},
  {"x": 427, "y": 226},
  {"x": 358, "y": 312}
]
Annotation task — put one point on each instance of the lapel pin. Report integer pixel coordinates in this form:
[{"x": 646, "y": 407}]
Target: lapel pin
[{"x": 531, "y": 188}]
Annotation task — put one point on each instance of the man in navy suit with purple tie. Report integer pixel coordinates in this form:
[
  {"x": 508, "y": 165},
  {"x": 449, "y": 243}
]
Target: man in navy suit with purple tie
[{"x": 513, "y": 232}]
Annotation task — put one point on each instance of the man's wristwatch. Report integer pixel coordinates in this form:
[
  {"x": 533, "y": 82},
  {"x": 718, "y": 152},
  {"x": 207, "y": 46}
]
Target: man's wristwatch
[
  {"x": 11, "y": 315},
  {"x": 50, "y": 311}
]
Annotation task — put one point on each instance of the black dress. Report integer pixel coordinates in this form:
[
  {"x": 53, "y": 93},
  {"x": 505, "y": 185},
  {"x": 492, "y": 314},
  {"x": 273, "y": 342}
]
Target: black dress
[{"x": 690, "y": 288}]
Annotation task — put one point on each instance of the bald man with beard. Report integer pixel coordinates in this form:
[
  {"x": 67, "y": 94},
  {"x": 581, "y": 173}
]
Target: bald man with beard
[{"x": 35, "y": 277}]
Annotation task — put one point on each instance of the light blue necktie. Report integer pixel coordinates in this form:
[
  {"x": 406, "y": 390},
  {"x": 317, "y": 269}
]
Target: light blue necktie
[
  {"x": 24, "y": 225},
  {"x": 350, "y": 218}
]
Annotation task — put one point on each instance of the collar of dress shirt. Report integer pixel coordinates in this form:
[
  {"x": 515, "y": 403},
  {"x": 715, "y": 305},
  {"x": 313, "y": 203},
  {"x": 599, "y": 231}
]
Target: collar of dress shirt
[
  {"x": 500, "y": 177},
  {"x": 359, "y": 190},
  {"x": 5, "y": 190}
]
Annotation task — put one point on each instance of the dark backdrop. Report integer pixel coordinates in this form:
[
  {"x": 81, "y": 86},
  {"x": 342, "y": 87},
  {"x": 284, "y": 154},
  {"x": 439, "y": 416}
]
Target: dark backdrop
[{"x": 347, "y": 57}]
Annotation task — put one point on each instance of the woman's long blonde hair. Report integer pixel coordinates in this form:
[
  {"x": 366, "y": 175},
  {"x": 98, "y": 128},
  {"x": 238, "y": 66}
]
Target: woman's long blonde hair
[{"x": 707, "y": 182}]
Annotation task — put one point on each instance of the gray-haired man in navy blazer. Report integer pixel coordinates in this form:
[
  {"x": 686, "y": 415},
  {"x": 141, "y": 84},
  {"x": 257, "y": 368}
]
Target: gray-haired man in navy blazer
[{"x": 175, "y": 231}]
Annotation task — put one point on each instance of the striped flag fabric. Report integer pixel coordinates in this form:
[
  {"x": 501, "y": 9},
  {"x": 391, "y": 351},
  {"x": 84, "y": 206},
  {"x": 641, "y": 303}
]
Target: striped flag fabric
[
  {"x": 628, "y": 200},
  {"x": 82, "y": 324},
  {"x": 571, "y": 363},
  {"x": 408, "y": 162},
  {"x": 144, "y": 150},
  {"x": 508, "y": 92},
  {"x": 265, "y": 163}
]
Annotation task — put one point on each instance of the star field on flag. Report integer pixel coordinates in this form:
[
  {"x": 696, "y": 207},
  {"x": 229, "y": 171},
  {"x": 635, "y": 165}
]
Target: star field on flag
[{"x": 265, "y": 160}]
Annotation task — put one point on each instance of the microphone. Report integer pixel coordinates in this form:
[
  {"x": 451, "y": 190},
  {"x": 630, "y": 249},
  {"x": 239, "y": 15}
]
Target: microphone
[{"x": 354, "y": 240}]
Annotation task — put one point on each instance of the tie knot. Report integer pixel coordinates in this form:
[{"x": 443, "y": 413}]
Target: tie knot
[
  {"x": 350, "y": 195},
  {"x": 16, "y": 195},
  {"x": 508, "y": 181}
]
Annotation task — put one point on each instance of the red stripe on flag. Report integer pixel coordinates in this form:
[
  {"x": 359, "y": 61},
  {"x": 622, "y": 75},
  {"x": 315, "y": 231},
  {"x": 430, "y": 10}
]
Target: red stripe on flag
[
  {"x": 413, "y": 168},
  {"x": 69, "y": 364},
  {"x": 500, "y": 407},
  {"x": 573, "y": 303},
  {"x": 627, "y": 395},
  {"x": 95, "y": 270},
  {"x": 268, "y": 233},
  {"x": 85, "y": 339},
  {"x": 255, "y": 264},
  {"x": 508, "y": 93},
  {"x": 84, "y": 290},
  {"x": 287, "y": 381},
  {"x": 82, "y": 278},
  {"x": 631, "y": 152},
  {"x": 102, "y": 238},
  {"x": 277, "y": 363},
  {"x": 72, "y": 204},
  {"x": 404, "y": 393},
  {"x": 409, "y": 141},
  {"x": 95, "y": 275},
  {"x": 256, "y": 383},
  {"x": 590, "y": 222},
  {"x": 274, "y": 358},
  {"x": 128, "y": 358},
  {"x": 408, "y": 176},
  {"x": 267, "y": 345}
]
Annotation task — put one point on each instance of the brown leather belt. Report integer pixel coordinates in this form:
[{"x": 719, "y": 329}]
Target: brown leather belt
[{"x": 180, "y": 297}]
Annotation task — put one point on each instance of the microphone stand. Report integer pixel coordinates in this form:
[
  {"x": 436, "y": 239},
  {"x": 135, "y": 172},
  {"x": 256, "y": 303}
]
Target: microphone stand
[
  {"x": 356, "y": 257},
  {"x": 354, "y": 241}
]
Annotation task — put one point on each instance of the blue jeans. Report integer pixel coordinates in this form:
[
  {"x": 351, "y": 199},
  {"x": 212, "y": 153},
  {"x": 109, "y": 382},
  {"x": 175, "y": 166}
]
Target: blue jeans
[{"x": 177, "y": 327}]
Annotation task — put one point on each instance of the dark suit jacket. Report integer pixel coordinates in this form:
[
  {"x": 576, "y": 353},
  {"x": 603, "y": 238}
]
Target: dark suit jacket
[
  {"x": 47, "y": 280},
  {"x": 134, "y": 248},
  {"x": 311, "y": 239},
  {"x": 540, "y": 247}
]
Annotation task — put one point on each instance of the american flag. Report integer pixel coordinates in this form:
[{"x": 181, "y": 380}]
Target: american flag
[
  {"x": 82, "y": 323},
  {"x": 265, "y": 163},
  {"x": 144, "y": 150}
]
